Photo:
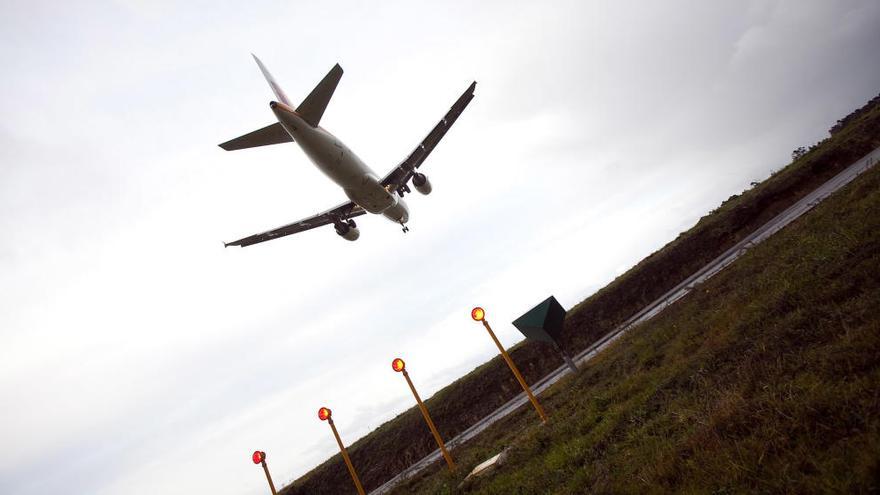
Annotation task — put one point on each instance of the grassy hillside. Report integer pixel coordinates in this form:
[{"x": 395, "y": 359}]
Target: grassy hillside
[
  {"x": 766, "y": 379},
  {"x": 491, "y": 384}
]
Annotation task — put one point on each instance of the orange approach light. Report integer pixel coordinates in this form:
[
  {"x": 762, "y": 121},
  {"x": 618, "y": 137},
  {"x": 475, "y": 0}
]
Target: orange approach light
[
  {"x": 259, "y": 456},
  {"x": 478, "y": 314},
  {"x": 324, "y": 414},
  {"x": 398, "y": 365}
]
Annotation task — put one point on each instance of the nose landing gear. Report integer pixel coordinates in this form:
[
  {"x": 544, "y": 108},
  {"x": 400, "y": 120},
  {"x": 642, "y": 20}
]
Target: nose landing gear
[{"x": 405, "y": 228}]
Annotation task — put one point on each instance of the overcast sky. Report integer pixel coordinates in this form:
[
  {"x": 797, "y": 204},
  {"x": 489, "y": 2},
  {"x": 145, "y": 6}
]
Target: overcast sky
[{"x": 139, "y": 356}]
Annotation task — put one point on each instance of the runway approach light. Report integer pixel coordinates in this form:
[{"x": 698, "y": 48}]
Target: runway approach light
[
  {"x": 324, "y": 414},
  {"x": 259, "y": 457},
  {"x": 399, "y": 366},
  {"x": 478, "y": 314}
]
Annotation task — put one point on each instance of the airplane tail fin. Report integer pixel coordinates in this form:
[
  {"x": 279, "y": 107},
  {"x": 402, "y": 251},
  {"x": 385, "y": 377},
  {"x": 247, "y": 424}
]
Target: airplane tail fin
[
  {"x": 272, "y": 84},
  {"x": 312, "y": 108}
]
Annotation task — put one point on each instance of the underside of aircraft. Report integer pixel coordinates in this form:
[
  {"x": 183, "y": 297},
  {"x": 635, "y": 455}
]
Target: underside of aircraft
[{"x": 367, "y": 192}]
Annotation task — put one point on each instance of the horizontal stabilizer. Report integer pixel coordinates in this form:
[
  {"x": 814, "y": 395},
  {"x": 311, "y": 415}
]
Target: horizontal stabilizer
[
  {"x": 312, "y": 108},
  {"x": 271, "y": 134}
]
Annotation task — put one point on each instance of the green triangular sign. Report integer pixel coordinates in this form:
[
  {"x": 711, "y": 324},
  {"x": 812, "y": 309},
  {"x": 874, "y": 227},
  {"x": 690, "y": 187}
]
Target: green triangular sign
[{"x": 543, "y": 322}]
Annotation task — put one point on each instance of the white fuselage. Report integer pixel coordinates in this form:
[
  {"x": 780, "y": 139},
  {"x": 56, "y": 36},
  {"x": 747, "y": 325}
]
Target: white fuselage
[{"x": 342, "y": 166}]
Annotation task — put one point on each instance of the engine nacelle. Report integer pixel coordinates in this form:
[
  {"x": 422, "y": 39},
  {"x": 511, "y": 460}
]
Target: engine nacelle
[
  {"x": 348, "y": 230},
  {"x": 421, "y": 183}
]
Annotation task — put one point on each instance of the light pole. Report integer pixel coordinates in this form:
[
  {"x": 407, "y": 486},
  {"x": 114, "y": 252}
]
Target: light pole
[
  {"x": 324, "y": 414},
  {"x": 259, "y": 457},
  {"x": 399, "y": 366},
  {"x": 479, "y": 314}
]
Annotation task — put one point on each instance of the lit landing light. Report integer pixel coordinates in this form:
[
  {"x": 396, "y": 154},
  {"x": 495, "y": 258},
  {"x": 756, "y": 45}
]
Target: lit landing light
[
  {"x": 324, "y": 414},
  {"x": 478, "y": 314},
  {"x": 398, "y": 365}
]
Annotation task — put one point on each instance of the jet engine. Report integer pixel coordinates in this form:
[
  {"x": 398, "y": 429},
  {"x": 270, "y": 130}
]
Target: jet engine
[
  {"x": 348, "y": 230},
  {"x": 421, "y": 183}
]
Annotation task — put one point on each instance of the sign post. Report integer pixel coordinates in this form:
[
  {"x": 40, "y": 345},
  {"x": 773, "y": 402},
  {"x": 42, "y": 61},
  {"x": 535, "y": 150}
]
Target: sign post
[
  {"x": 478, "y": 314},
  {"x": 324, "y": 414},
  {"x": 399, "y": 366},
  {"x": 544, "y": 323},
  {"x": 259, "y": 457}
]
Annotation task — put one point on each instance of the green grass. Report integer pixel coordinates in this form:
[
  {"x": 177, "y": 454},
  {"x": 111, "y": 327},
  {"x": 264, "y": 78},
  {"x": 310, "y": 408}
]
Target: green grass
[
  {"x": 404, "y": 440},
  {"x": 766, "y": 379}
]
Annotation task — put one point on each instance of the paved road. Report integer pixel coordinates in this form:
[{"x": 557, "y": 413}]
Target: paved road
[{"x": 762, "y": 233}]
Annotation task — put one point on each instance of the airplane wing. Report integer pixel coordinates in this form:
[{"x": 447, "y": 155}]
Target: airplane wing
[
  {"x": 338, "y": 213},
  {"x": 403, "y": 172}
]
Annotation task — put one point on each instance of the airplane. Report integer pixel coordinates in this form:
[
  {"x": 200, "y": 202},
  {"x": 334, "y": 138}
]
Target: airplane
[{"x": 367, "y": 193}]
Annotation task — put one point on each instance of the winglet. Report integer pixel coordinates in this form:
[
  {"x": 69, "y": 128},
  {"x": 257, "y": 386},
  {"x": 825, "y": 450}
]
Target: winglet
[{"x": 271, "y": 80}]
